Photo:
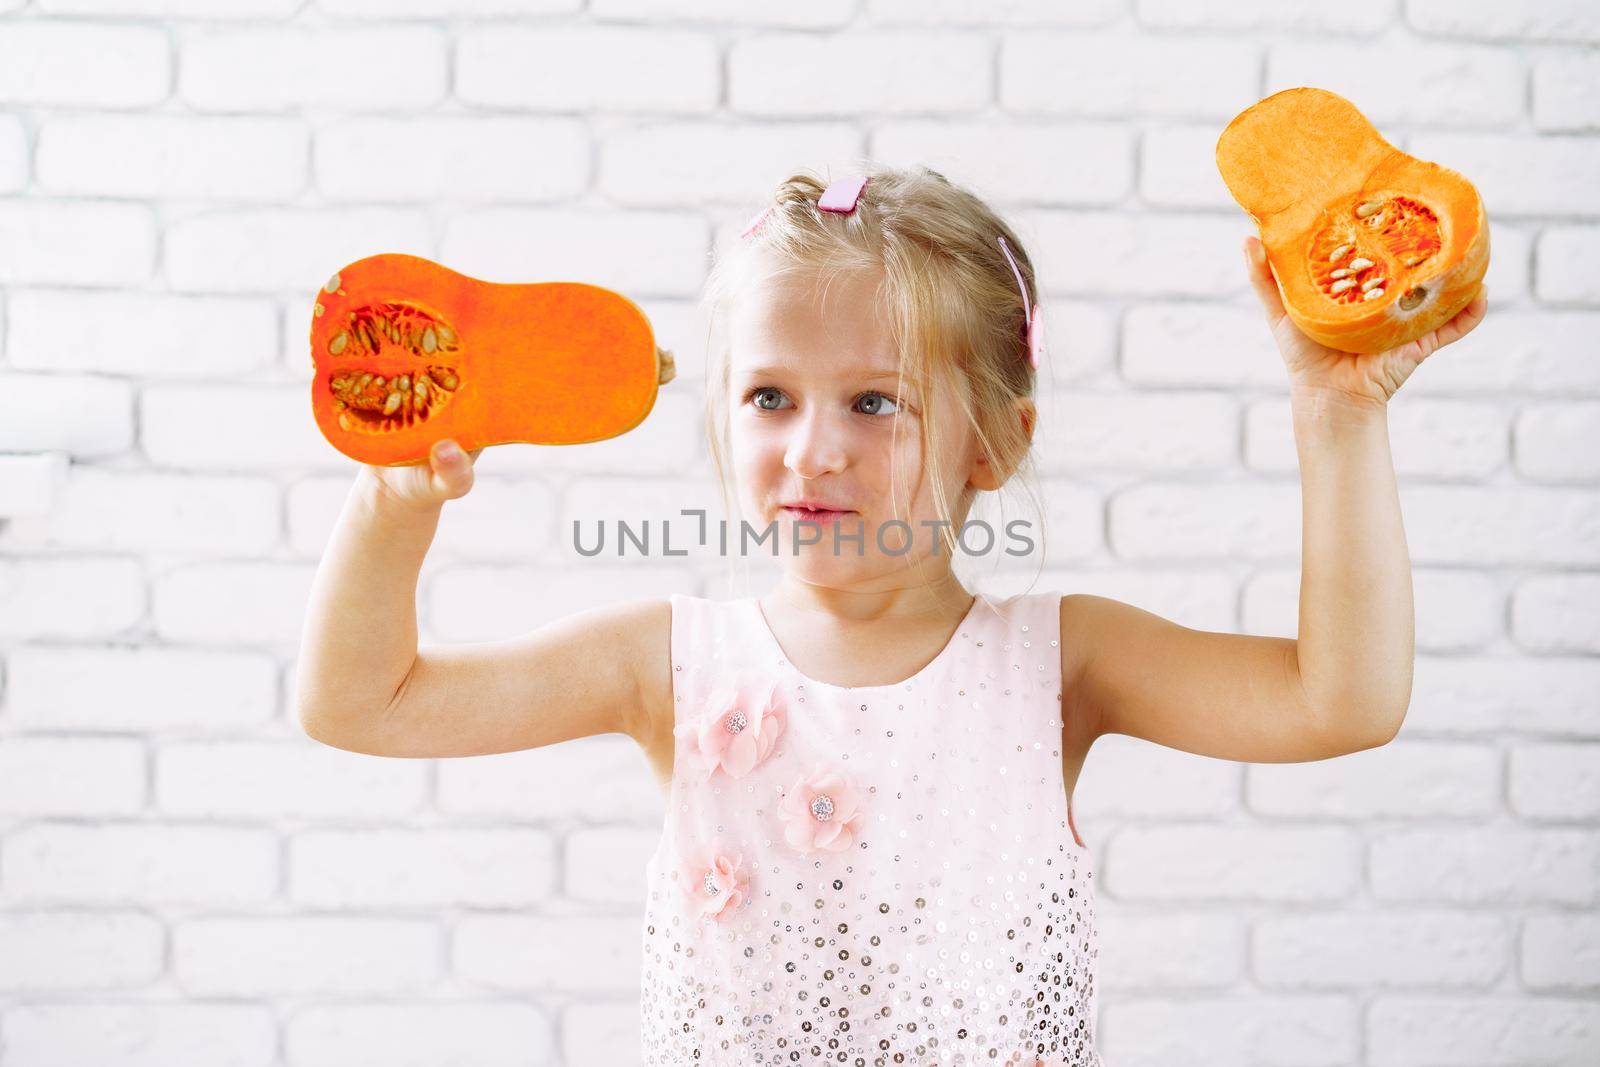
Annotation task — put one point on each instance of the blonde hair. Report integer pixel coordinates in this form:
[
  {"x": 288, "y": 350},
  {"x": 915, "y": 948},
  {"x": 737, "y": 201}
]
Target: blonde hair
[{"x": 955, "y": 313}]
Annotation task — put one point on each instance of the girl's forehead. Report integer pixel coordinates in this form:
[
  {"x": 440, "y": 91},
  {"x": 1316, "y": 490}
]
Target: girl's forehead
[{"x": 805, "y": 324}]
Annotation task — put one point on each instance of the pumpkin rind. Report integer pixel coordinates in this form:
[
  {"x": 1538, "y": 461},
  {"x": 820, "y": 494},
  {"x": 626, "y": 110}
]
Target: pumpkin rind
[
  {"x": 1371, "y": 247},
  {"x": 406, "y": 352}
]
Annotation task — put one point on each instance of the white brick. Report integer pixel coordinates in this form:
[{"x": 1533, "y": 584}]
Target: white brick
[
  {"x": 825, "y": 13},
  {"x": 605, "y": 1031},
  {"x": 1403, "y": 779},
  {"x": 144, "y": 863},
  {"x": 1196, "y": 344},
  {"x": 246, "y": 779},
  {"x": 31, "y": 483},
  {"x": 1150, "y": 432},
  {"x": 1529, "y": 694},
  {"x": 607, "y": 863},
  {"x": 1514, "y": 525},
  {"x": 1526, "y": 352},
  {"x": 1169, "y": 949},
  {"x": 80, "y": 64},
  {"x": 1069, "y": 528},
  {"x": 155, "y": 512},
  {"x": 1305, "y": 1031},
  {"x": 498, "y": 1034},
  {"x": 1559, "y": 442},
  {"x": 146, "y": 335},
  {"x": 1520, "y": 174},
  {"x": 140, "y": 1034},
  {"x": 1138, "y": 255},
  {"x": 1193, "y": 597},
  {"x": 1555, "y": 20},
  {"x": 70, "y": 597},
  {"x": 199, "y": 603},
  {"x": 1506, "y": 864},
  {"x": 455, "y": 9},
  {"x": 284, "y": 249},
  {"x": 139, "y": 689},
  {"x": 184, "y": 9},
  {"x": 79, "y": 243},
  {"x": 489, "y": 603},
  {"x": 1455, "y": 610},
  {"x": 1027, "y": 12},
  {"x": 1311, "y": 16},
  {"x": 587, "y": 69},
  {"x": 570, "y": 953},
  {"x": 312, "y": 956},
  {"x": 1439, "y": 949},
  {"x": 279, "y": 68},
  {"x": 80, "y": 415},
  {"x": 1444, "y": 439},
  {"x": 14, "y": 165},
  {"x": 76, "y": 951},
  {"x": 688, "y": 165},
  {"x": 1122, "y": 74},
  {"x": 452, "y": 159},
  {"x": 898, "y": 72},
  {"x": 589, "y": 779},
  {"x": 1041, "y": 163},
  {"x": 1081, "y": 336},
  {"x": 1178, "y": 168},
  {"x": 1561, "y": 952},
  {"x": 1243, "y": 863},
  {"x": 374, "y": 869},
  {"x": 233, "y": 158},
  {"x": 239, "y": 427},
  {"x": 1557, "y": 613},
  {"x": 1169, "y": 521},
  {"x": 1566, "y": 92},
  {"x": 71, "y": 776},
  {"x": 1555, "y": 781},
  {"x": 1569, "y": 264},
  {"x": 1407, "y": 82},
  {"x": 639, "y": 253},
  {"x": 1498, "y": 1031}
]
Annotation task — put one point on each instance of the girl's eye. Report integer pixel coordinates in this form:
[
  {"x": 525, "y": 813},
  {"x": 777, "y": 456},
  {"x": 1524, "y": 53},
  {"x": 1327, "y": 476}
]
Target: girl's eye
[{"x": 875, "y": 401}]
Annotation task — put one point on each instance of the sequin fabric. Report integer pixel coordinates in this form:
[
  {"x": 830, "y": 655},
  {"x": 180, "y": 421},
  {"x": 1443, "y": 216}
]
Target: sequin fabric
[{"x": 869, "y": 875}]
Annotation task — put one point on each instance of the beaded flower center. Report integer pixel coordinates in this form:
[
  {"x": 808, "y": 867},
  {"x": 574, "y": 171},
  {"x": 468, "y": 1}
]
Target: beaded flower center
[
  {"x": 737, "y": 721},
  {"x": 711, "y": 883},
  {"x": 822, "y": 807}
]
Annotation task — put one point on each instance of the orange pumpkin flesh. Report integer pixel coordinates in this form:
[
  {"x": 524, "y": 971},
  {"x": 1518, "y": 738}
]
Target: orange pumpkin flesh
[
  {"x": 1371, "y": 247},
  {"x": 407, "y": 352}
]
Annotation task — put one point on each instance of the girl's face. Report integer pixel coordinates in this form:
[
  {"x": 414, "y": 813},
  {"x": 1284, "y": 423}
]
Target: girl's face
[{"x": 817, "y": 415}]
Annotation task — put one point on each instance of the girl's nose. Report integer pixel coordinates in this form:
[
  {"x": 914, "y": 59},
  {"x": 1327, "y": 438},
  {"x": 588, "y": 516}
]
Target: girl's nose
[{"x": 814, "y": 448}]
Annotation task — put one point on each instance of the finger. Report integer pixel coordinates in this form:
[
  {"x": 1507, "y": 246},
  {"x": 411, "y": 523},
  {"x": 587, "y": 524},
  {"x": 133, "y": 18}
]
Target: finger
[
  {"x": 1466, "y": 320},
  {"x": 451, "y": 469},
  {"x": 1262, "y": 281}
]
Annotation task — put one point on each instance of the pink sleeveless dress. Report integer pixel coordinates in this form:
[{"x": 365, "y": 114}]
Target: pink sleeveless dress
[{"x": 869, "y": 874}]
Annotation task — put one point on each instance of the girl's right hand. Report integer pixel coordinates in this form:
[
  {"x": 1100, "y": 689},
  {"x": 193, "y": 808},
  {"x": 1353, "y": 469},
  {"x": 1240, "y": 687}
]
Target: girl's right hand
[{"x": 426, "y": 486}]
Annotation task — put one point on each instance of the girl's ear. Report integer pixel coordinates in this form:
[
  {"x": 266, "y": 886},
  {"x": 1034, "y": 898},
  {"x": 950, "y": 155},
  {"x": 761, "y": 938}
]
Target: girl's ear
[{"x": 983, "y": 475}]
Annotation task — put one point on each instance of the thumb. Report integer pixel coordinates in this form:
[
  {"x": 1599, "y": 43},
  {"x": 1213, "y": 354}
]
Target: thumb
[
  {"x": 1262, "y": 281},
  {"x": 451, "y": 468}
]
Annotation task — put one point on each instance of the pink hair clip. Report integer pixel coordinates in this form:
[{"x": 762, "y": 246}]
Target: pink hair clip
[
  {"x": 842, "y": 195},
  {"x": 1033, "y": 313},
  {"x": 755, "y": 222}
]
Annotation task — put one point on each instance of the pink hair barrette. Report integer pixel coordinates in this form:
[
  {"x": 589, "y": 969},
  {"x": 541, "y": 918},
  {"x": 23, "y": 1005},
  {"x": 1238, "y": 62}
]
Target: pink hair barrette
[{"x": 1033, "y": 314}]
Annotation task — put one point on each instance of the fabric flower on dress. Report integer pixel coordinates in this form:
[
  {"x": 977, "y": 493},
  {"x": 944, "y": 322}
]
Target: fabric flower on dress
[
  {"x": 714, "y": 881},
  {"x": 821, "y": 812},
  {"x": 739, "y": 730}
]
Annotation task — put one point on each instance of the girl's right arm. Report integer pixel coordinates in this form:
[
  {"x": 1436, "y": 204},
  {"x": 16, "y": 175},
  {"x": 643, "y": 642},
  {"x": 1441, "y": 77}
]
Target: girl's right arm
[{"x": 363, "y": 685}]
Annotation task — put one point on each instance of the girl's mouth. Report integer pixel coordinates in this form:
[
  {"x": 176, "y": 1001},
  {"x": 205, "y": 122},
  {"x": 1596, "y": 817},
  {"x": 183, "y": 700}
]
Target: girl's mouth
[{"x": 817, "y": 515}]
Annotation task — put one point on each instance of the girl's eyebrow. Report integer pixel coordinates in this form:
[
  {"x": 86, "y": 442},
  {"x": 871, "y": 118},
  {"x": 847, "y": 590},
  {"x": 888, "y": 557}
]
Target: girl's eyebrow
[{"x": 888, "y": 375}]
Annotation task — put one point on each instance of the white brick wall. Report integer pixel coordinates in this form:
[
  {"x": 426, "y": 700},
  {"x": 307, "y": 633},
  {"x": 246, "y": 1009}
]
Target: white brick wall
[{"x": 186, "y": 878}]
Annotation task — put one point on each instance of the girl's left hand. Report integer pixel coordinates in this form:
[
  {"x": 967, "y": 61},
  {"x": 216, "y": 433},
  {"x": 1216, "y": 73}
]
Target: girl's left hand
[{"x": 1366, "y": 380}]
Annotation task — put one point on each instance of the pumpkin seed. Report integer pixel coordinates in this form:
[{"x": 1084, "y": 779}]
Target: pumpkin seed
[
  {"x": 447, "y": 336},
  {"x": 333, "y": 285},
  {"x": 1339, "y": 287},
  {"x": 430, "y": 340},
  {"x": 316, "y": 310},
  {"x": 1373, "y": 294},
  {"x": 1339, "y": 253},
  {"x": 1342, "y": 272},
  {"x": 344, "y": 421},
  {"x": 340, "y": 339},
  {"x": 1371, "y": 207},
  {"x": 1360, "y": 264},
  {"x": 405, "y": 381},
  {"x": 1371, "y": 283},
  {"x": 391, "y": 403}
]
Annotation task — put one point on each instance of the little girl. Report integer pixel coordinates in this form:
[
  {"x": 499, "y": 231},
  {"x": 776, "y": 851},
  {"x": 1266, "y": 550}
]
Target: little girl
[{"x": 869, "y": 854}]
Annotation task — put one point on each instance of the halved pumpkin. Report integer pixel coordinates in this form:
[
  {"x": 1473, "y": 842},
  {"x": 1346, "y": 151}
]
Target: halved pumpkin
[
  {"x": 1371, "y": 247},
  {"x": 407, "y": 352}
]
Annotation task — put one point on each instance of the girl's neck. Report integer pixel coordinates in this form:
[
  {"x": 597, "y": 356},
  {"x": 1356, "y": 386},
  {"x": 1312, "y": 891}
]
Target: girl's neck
[{"x": 914, "y": 601}]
